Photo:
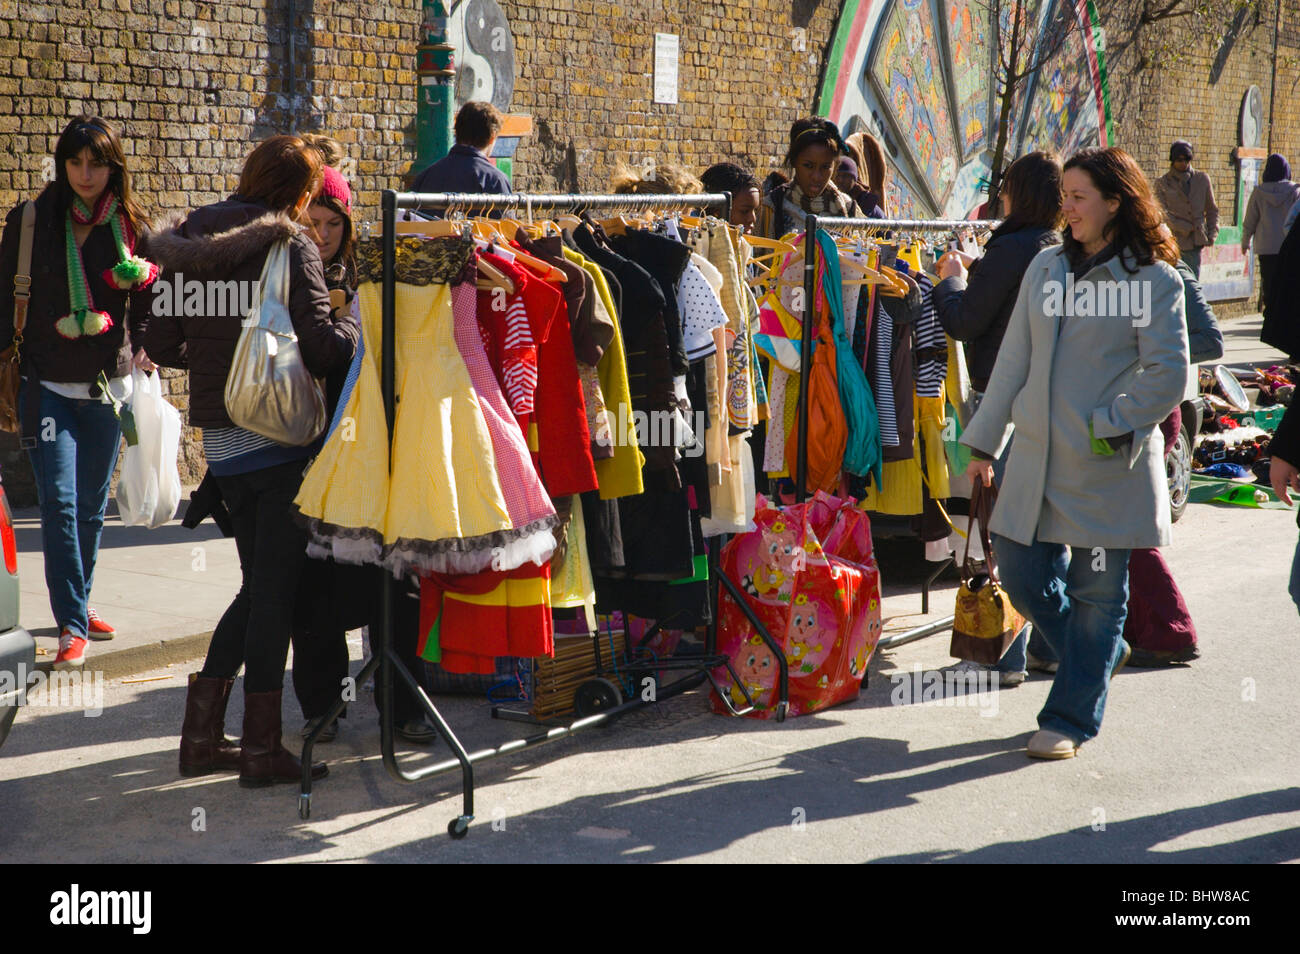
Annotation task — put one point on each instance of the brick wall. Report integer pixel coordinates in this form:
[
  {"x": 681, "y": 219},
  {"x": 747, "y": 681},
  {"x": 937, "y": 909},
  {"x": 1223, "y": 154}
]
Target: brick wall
[
  {"x": 194, "y": 83},
  {"x": 585, "y": 73},
  {"x": 1198, "y": 98}
]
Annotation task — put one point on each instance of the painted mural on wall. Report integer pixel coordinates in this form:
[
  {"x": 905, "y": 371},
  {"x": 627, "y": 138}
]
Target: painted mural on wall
[
  {"x": 970, "y": 51},
  {"x": 485, "y": 53},
  {"x": 919, "y": 75},
  {"x": 905, "y": 69}
]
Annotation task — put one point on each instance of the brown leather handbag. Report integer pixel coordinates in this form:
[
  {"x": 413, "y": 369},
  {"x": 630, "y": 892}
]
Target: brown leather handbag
[
  {"x": 11, "y": 357},
  {"x": 984, "y": 621}
]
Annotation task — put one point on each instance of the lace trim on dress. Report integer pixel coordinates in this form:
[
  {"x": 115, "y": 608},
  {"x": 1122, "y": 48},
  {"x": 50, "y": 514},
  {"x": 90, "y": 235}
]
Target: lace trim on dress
[
  {"x": 501, "y": 550},
  {"x": 419, "y": 261}
]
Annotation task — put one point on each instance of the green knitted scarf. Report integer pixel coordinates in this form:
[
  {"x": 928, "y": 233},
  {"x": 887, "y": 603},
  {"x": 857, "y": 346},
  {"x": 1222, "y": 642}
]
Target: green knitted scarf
[{"x": 131, "y": 273}]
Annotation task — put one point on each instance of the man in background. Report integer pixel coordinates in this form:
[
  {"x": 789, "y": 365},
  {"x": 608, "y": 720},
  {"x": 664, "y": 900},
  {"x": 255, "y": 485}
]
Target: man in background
[
  {"x": 1189, "y": 205},
  {"x": 466, "y": 168}
]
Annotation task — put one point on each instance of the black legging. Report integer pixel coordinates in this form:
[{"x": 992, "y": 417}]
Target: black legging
[
  {"x": 255, "y": 629},
  {"x": 333, "y": 599}
]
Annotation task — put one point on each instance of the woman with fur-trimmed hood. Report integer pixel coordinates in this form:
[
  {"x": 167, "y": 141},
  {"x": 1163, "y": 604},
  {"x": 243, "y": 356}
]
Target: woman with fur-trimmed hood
[{"x": 208, "y": 260}]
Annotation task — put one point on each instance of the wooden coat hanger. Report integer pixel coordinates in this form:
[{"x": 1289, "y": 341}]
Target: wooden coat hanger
[{"x": 545, "y": 270}]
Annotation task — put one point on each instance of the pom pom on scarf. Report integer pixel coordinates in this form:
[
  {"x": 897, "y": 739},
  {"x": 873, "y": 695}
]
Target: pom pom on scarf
[
  {"x": 132, "y": 274},
  {"x": 87, "y": 322},
  {"x": 96, "y": 322}
]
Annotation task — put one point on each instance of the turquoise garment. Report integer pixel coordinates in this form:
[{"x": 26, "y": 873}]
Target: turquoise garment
[{"x": 862, "y": 454}]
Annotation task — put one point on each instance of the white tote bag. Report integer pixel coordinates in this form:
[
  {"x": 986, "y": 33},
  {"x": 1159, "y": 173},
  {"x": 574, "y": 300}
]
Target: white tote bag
[
  {"x": 149, "y": 488},
  {"x": 269, "y": 390}
]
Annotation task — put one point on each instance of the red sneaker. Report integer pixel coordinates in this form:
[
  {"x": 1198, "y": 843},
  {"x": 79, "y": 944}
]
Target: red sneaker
[
  {"x": 72, "y": 651},
  {"x": 97, "y": 628}
]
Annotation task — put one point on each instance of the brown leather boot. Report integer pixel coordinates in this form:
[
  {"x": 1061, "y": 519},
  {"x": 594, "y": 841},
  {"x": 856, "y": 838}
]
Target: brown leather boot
[
  {"x": 204, "y": 746},
  {"x": 263, "y": 760},
  {"x": 226, "y": 756}
]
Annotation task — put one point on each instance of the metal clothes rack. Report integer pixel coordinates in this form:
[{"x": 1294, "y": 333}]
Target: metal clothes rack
[
  {"x": 382, "y": 654},
  {"x": 812, "y": 225}
]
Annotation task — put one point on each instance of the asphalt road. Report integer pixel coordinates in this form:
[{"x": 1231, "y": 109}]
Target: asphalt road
[{"x": 1194, "y": 764}]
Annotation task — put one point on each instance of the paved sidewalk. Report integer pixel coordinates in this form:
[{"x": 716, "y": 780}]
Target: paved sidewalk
[
  {"x": 1241, "y": 344},
  {"x": 163, "y": 590},
  {"x": 1194, "y": 764}
]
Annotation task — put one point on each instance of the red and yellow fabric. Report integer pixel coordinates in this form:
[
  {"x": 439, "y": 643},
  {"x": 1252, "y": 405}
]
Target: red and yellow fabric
[{"x": 466, "y": 622}]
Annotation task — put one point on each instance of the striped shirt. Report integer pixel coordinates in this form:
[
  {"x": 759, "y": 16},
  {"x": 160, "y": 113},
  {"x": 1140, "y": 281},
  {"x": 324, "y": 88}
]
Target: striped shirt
[{"x": 233, "y": 450}]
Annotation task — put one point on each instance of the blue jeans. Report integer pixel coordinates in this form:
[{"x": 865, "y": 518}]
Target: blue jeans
[
  {"x": 1294, "y": 588},
  {"x": 1077, "y": 601},
  {"x": 1193, "y": 260},
  {"x": 76, "y": 449}
]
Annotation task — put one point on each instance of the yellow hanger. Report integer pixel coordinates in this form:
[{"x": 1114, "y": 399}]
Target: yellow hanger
[
  {"x": 615, "y": 226},
  {"x": 759, "y": 241},
  {"x": 545, "y": 270},
  {"x": 434, "y": 228},
  {"x": 898, "y": 288}
]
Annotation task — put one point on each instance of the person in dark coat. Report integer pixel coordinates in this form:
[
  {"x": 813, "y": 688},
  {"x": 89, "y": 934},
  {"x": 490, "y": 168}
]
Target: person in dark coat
[
  {"x": 225, "y": 245},
  {"x": 1284, "y": 475},
  {"x": 467, "y": 168},
  {"x": 974, "y": 308}
]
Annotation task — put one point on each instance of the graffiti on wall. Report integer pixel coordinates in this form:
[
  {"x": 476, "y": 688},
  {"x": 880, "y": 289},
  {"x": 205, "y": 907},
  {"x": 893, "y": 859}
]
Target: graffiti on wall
[
  {"x": 920, "y": 76},
  {"x": 970, "y": 52},
  {"x": 485, "y": 53},
  {"x": 906, "y": 70}
]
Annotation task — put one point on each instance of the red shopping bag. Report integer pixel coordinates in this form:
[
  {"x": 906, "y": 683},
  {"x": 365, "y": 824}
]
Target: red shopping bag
[{"x": 808, "y": 573}]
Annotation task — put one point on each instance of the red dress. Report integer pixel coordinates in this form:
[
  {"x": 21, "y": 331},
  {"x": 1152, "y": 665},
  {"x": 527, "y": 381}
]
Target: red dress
[{"x": 530, "y": 346}]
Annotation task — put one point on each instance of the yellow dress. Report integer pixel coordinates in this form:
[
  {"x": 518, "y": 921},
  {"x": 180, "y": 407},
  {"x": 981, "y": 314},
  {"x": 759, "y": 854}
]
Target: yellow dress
[{"x": 443, "y": 508}]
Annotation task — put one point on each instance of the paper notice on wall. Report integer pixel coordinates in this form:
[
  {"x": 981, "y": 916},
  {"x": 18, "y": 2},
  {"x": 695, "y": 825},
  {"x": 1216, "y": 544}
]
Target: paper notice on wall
[{"x": 666, "y": 47}]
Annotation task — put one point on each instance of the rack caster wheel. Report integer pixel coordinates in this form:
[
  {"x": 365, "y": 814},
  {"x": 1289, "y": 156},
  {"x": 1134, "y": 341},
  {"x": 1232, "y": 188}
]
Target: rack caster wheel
[
  {"x": 595, "y": 696},
  {"x": 458, "y": 827},
  {"x": 781, "y": 709},
  {"x": 304, "y": 807}
]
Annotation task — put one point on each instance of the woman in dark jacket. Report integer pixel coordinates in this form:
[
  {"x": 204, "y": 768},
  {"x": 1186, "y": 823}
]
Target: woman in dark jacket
[
  {"x": 85, "y": 319},
  {"x": 975, "y": 308},
  {"x": 222, "y": 249},
  {"x": 320, "y": 648},
  {"x": 1284, "y": 474}
]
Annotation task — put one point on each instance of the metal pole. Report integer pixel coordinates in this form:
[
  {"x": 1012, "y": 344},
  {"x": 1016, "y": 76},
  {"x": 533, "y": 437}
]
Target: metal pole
[
  {"x": 388, "y": 349},
  {"x": 805, "y": 352},
  {"x": 290, "y": 83},
  {"x": 912, "y": 635},
  {"x": 1272, "y": 83},
  {"x": 435, "y": 72},
  {"x": 831, "y": 223},
  {"x": 563, "y": 200}
]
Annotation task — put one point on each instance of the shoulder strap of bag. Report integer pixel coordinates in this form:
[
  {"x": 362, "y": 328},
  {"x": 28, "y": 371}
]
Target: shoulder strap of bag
[{"x": 23, "y": 277}]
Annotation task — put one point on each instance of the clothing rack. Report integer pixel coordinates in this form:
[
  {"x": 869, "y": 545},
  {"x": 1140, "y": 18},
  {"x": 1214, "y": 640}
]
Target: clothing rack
[
  {"x": 382, "y": 652},
  {"x": 812, "y": 224}
]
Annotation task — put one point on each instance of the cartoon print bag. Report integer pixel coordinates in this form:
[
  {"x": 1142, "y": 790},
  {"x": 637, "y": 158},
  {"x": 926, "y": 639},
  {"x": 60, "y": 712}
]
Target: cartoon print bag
[{"x": 820, "y": 602}]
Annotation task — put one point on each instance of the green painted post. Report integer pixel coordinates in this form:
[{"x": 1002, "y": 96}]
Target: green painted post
[{"x": 435, "y": 96}]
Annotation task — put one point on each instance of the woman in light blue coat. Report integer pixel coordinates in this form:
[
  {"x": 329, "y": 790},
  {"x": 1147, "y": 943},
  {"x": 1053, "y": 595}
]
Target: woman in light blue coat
[{"x": 1094, "y": 358}]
